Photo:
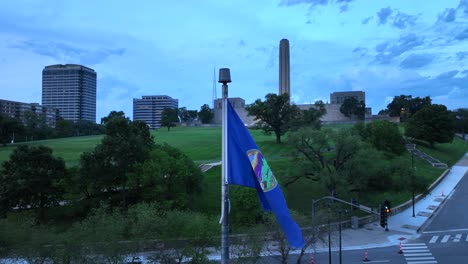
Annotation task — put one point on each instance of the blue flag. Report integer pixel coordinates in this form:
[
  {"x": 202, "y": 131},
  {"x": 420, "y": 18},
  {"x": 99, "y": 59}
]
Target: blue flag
[{"x": 247, "y": 167}]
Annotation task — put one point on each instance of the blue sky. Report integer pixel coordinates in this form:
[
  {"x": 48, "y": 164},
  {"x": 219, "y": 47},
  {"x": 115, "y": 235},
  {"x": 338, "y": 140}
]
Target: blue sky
[{"x": 385, "y": 48}]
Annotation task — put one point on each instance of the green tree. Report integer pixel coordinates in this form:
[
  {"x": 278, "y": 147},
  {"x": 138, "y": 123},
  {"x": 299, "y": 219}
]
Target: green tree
[
  {"x": 112, "y": 114},
  {"x": 275, "y": 114},
  {"x": 183, "y": 114},
  {"x": 205, "y": 114},
  {"x": 169, "y": 118},
  {"x": 86, "y": 128},
  {"x": 35, "y": 125},
  {"x": 384, "y": 112},
  {"x": 383, "y": 135},
  {"x": 352, "y": 107},
  {"x": 192, "y": 114},
  {"x": 168, "y": 177},
  {"x": 64, "y": 128},
  {"x": 31, "y": 178},
  {"x": 125, "y": 145},
  {"x": 8, "y": 127},
  {"x": 310, "y": 117},
  {"x": 321, "y": 155},
  {"x": 406, "y": 106},
  {"x": 432, "y": 124},
  {"x": 461, "y": 121}
]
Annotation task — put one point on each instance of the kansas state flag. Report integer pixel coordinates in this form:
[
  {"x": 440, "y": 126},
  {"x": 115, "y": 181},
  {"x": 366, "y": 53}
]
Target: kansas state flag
[{"x": 247, "y": 167}]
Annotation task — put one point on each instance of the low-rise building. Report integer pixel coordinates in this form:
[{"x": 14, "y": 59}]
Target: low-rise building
[{"x": 20, "y": 110}]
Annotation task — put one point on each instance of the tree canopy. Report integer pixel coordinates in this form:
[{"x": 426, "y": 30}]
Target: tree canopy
[
  {"x": 406, "y": 106},
  {"x": 169, "y": 178},
  {"x": 351, "y": 106},
  {"x": 309, "y": 117},
  {"x": 461, "y": 121},
  {"x": 108, "y": 166},
  {"x": 383, "y": 135},
  {"x": 31, "y": 178},
  {"x": 169, "y": 118},
  {"x": 205, "y": 114},
  {"x": 9, "y": 126},
  {"x": 432, "y": 124},
  {"x": 275, "y": 114}
]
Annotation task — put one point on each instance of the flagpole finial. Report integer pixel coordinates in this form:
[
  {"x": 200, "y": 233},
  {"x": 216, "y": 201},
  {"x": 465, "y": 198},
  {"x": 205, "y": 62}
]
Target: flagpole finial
[{"x": 224, "y": 76}]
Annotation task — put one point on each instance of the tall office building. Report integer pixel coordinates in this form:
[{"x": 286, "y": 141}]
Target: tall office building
[
  {"x": 149, "y": 109},
  {"x": 284, "y": 67},
  {"x": 70, "y": 88}
]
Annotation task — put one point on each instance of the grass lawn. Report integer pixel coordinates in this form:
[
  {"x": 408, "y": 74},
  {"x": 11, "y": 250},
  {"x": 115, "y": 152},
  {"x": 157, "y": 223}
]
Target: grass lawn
[
  {"x": 69, "y": 149},
  {"x": 448, "y": 153}
]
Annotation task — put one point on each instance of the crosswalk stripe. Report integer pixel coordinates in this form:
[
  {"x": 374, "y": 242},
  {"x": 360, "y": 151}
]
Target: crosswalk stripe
[
  {"x": 420, "y": 258},
  {"x": 417, "y": 254},
  {"x": 423, "y": 262},
  {"x": 415, "y": 244},
  {"x": 445, "y": 239},
  {"x": 457, "y": 238},
  {"x": 433, "y": 239},
  {"x": 419, "y": 247},
  {"x": 416, "y": 250}
]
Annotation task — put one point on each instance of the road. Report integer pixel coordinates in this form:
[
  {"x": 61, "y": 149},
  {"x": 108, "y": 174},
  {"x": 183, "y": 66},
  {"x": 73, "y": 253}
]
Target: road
[
  {"x": 375, "y": 255},
  {"x": 446, "y": 233},
  {"x": 443, "y": 239}
]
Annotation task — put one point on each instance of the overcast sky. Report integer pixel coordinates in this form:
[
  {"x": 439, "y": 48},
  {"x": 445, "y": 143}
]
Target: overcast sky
[{"x": 385, "y": 48}]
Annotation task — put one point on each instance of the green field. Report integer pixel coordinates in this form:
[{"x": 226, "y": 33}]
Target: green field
[{"x": 203, "y": 144}]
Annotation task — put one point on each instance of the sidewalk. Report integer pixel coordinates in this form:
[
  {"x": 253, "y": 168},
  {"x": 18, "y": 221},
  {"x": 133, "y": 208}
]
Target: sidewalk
[{"x": 403, "y": 225}]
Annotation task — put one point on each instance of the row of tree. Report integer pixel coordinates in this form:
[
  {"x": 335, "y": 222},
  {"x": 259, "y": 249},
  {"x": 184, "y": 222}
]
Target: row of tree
[
  {"x": 34, "y": 127},
  {"x": 170, "y": 117},
  {"x": 424, "y": 121}
]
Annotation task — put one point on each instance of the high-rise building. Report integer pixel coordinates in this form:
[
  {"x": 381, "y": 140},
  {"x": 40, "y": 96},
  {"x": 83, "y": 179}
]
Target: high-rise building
[
  {"x": 149, "y": 109},
  {"x": 284, "y": 67},
  {"x": 71, "y": 88}
]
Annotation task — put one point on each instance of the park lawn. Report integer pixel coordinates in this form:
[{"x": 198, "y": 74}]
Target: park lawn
[
  {"x": 69, "y": 149},
  {"x": 203, "y": 144}
]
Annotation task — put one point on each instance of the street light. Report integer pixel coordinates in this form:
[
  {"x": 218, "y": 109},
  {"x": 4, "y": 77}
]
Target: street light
[{"x": 413, "y": 178}]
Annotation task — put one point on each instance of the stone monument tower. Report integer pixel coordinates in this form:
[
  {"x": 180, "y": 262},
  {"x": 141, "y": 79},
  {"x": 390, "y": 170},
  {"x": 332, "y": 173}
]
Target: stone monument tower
[{"x": 284, "y": 67}]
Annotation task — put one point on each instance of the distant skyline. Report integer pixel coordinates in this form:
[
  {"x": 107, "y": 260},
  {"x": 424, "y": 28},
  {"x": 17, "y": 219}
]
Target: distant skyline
[{"x": 385, "y": 48}]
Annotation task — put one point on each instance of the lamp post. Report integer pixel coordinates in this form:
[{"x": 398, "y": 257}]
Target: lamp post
[
  {"x": 339, "y": 228},
  {"x": 224, "y": 78},
  {"x": 329, "y": 239},
  {"x": 413, "y": 178}
]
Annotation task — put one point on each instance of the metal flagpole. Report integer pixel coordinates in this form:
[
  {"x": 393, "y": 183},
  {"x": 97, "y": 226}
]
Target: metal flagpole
[{"x": 224, "y": 78}]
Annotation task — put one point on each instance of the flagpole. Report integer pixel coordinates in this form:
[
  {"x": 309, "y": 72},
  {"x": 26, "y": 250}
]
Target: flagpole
[{"x": 224, "y": 78}]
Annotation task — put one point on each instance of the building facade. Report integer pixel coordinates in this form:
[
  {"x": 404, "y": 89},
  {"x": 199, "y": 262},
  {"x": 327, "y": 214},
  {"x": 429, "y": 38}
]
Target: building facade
[
  {"x": 149, "y": 109},
  {"x": 20, "y": 111},
  {"x": 70, "y": 88},
  {"x": 284, "y": 70},
  {"x": 340, "y": 97},
  {"x": 239, "y": 106}
]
